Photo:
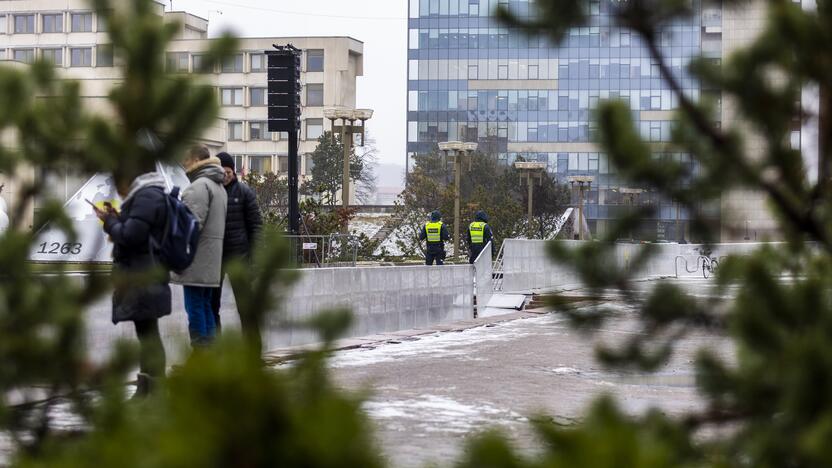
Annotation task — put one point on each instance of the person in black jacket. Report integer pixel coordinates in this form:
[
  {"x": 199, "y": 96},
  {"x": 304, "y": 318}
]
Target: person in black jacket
[
  {"x": 141, "y": 291},
  {"x": 242, "y": 226}
]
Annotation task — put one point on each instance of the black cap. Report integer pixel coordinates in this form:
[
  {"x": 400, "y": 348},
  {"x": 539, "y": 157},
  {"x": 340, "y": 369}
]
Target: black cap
[{"x": 226, "y": 160}]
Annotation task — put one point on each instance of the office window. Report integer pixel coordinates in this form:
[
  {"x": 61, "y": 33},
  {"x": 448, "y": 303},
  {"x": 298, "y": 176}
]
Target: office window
[
  {"x": 310, "y": 163},
  {"x": 232, "y": 96},
  {"x": 314, "y": 128},
  {"x": 82, "y": 22},
  {"x": 24, "y": 24},
  {"x": 258, "y": 63},
  {"x": 3, "y": 25},
  {"x": 177, "y": 62},
  {"x": 315, "y": 60},
  {"x": 233, "y": 64},
  {"x": 199, "y": 65},
  {"x": 53, "y": 56},
  {"x": 260, "y": 164},
  {"x": 235, "y": 131},
  {"x": 239, "y": 166},
  {"x": 53, "y": 23},
  {"x": 314, "y": 95},
  {"x": 259, "y": 131},
  {"x": 102, "y": 25},
  {"x": 104, "y": 55},
  {"x": 258, "y": 97},
  {"x": 24, "y": 55},
  {"x": 2, "y": 54},
  {"x": 80, "y": 57},
  {"x": 282, "y": 164}
]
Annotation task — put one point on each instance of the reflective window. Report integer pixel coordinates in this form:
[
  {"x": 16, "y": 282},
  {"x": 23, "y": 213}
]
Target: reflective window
[
  {"x": 24, "y": 55},
  {"x": 81, "y": 22},
  {"x": 80, "y": 57},
  {"x": 314, "y": 128},
  {"x": 260, "y": 164},
  {"x": 258, "y": 97},
  {"x": 314, "y": 95},
  {"x": 233, "y": 64},
  {"x": 232, "y": 96},
  {"x": 53, "y": 56},
  {"x": 235, "y": 131},
  {"x": 53, "y": 23},
  {"x": 24, "y": 24},
  {"x": 104, "y": 55},
  {"x": 259, "y": 131},
  {"x": 177, "y": 62},
  {"x": 315, "y": 60},
  {"x": 258, "y": 63}
]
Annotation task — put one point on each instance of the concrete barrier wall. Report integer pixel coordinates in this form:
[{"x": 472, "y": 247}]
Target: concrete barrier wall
[
  {"x": 527, "y": 266},
  {"x": 484, "y": 286},
  {"x": 382, "y": 299}
]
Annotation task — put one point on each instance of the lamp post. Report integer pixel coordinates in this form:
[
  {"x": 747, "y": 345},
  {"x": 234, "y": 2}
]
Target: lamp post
[
  {"x": 348, "y": 128},
  {"x": 531, "y": 172},
  {"x": 584, "y": 185},
  {"x": 458, "y": 150}
]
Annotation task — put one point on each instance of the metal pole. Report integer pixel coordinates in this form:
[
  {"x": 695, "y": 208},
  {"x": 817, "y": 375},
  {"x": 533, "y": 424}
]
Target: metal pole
[
  {"x": 581, "y": 212},
  {"x": 678, "y": 208},
  {"x": 531, "y": 200},
  {"x": 457, "y": 170},
  {"x": 294, "y": 207},
  {"x": 346, "y": 140}
]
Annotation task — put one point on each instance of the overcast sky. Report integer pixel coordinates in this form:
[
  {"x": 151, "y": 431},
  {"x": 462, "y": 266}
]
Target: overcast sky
[{"x": 380, "y": 24}]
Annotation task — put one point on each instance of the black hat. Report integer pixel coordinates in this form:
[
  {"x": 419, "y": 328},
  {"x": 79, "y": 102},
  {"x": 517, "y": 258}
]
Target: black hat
[{"x": 226, "y": 160}]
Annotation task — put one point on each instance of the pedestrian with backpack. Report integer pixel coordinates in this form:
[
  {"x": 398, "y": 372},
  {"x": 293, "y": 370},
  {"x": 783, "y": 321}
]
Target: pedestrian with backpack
[
  {"x": 141, "y": 291},
  {"x": 207, "y": 200}
]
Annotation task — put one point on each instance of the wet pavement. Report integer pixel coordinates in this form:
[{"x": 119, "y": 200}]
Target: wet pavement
[{"x": 431, "y": 393}]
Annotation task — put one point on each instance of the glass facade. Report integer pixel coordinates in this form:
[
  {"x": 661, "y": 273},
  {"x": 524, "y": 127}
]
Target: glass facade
[{"x": 472, "y": 79}]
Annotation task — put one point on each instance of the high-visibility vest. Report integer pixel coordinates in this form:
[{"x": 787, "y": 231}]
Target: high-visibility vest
[
  {"x": 477, "y": 230},
  {"x": 434, "y": 230}
]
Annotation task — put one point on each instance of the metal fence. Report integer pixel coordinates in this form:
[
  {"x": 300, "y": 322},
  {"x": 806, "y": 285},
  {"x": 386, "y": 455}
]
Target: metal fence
[{"x": 318, "y": 251}]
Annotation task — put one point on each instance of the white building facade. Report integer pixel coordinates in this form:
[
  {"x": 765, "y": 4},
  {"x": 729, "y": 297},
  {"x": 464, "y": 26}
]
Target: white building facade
[{"x": 70, "y": 35}]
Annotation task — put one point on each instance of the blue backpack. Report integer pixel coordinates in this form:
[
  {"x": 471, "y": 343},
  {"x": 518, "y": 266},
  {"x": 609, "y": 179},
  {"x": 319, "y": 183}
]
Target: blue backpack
[{"x": 177, "y": 248}]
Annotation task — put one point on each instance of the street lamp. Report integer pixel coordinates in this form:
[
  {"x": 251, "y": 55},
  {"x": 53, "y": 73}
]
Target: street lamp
[
  {"x": 531, "y": 172},
  {"x": 584, "y": 185},
  {"x": 457, "y": 150},
  {"x": 348, "y": 128}
]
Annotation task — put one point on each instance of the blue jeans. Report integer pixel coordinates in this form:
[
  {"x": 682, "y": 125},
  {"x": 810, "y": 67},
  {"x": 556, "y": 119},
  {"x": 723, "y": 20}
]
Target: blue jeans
[{"x": 201, "y": 325}]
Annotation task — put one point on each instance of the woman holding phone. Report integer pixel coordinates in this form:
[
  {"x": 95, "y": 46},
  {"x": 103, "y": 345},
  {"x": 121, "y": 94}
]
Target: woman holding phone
[{"x": 141, "y": 288}]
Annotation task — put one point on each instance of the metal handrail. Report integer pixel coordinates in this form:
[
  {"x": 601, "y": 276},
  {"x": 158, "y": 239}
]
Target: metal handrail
[{"x": 497, "y": 269}]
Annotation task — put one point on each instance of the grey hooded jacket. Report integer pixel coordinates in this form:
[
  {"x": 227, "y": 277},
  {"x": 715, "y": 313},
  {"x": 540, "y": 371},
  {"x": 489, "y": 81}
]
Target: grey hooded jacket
[{"x": 207, "y": 200}]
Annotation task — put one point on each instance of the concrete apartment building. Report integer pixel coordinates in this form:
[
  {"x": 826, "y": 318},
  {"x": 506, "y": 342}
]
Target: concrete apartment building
[
  {"x": 470, "y": 78},
  {"x": 74, "y": 38}
]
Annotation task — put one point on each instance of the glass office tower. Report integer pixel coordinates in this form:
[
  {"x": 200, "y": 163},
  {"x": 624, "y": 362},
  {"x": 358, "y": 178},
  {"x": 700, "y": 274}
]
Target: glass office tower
[{"x": 472, "y": 79}]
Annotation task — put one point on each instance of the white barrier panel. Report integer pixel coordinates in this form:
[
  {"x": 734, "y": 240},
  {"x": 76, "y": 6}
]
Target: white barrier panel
[
  {"x": 382, "y": 299},
  {"x": 483, "y": 269},
  {"x": 527, "y": 266}
]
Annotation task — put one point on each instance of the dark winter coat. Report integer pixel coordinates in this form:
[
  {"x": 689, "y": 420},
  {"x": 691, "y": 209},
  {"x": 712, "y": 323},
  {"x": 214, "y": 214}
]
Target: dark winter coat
[
  {"x": 242, "y": 221},
  {"x": 143, "y": 214}
]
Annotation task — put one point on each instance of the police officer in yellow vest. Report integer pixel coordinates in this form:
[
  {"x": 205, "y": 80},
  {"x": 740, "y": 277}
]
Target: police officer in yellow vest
[
  {"x": 436, "y": 233},
  {"x": 479, "y": 234}
]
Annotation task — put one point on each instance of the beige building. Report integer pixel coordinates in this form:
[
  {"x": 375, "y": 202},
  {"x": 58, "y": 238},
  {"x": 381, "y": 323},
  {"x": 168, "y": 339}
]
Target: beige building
[{"x": 74, "y": 38}]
